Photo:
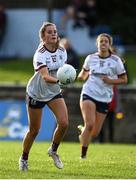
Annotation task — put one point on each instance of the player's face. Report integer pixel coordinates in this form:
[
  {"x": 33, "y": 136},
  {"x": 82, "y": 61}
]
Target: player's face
[
  {"x": 103, "y": 44},
  {"x": 51, "y": 35}
]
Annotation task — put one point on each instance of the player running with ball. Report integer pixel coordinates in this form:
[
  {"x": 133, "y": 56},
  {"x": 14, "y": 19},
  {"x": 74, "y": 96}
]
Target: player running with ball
[{"x": 43, "y": 89}]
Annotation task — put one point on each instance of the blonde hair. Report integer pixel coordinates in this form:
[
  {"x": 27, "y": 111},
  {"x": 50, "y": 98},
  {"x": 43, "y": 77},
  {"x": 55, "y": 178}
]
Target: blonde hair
[
  {"x": 109, "y": 38},
  {"x": 43, "y": 29}
]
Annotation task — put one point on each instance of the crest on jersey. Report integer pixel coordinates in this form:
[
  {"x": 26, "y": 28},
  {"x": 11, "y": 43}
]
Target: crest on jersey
[
  {"x": 102, "y": 63},
  {"x": 53, "y": 58},
  {"x": 60, "y": 57}
]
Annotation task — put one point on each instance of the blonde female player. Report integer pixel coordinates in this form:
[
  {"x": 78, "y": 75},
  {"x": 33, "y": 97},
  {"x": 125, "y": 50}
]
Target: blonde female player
[
  {"x": 101, "y": 71},
  {"x": 43, "y": 89}
]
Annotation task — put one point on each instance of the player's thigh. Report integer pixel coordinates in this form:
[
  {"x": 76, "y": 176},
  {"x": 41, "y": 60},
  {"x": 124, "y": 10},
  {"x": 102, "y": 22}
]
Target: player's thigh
[
  {"x": 59, "y": 109},
  {"x": 88, "y": 109},
  {"x": 34, "y": 117}
]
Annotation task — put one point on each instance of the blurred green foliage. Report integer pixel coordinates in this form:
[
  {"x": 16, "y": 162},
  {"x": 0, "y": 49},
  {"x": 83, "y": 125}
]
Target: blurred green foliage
[
  {"x": 120, "y": 15},
  {"x": 130, "y": 61}
]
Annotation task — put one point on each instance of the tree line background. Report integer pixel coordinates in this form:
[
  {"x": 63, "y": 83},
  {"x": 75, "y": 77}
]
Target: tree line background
[{"x": 120, "y": 15}]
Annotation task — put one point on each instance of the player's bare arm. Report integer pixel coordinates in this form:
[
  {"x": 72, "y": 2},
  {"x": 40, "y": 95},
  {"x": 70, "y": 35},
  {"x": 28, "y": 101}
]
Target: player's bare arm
[
  {"x": 45, "y": 75},
  {"x": 122, "y": 79},
  {"x": 83, "y": 75}
]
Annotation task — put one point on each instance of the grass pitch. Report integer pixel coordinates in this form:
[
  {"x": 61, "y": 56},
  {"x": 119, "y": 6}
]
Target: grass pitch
[
  {"x": 17, "y": 71},
  {"x": 104, "y": 161}
]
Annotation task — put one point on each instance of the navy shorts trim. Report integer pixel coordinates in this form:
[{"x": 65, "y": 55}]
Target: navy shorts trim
[
  {"x": 101, "y": 107},
  {"x": 32, "y": 103}
]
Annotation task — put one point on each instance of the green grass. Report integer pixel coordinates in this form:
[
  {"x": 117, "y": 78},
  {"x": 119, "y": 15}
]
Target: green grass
[
  {"x": 19, "y": 71},
  {"x": 16, "y": 71},
  {"x": 104, "y": 161}
]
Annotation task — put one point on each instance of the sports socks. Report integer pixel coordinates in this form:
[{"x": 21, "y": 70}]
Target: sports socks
[
  {"x": 55, "y": 146},
  {"x": 83, "y": 151},
  {"x": 25, "y": 156}
]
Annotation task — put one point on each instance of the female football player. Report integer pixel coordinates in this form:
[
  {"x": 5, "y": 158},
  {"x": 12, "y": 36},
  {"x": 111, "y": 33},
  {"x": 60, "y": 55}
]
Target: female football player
[
  {"x": 101, "y": 70},
  {"x": 43, "y": 89}
]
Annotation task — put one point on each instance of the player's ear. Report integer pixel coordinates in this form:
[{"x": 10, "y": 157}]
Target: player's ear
[
  {"x": 43, "y": 37},
  {"x": 96, "y": 44}
]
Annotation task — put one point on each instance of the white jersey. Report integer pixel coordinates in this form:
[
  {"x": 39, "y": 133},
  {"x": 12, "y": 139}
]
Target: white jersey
[
  {"x": 37, "y": 87},
  {"x": 94, "y": 87}
]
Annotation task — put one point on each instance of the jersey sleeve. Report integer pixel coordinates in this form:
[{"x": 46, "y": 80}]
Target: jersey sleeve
[
  {"x": 120, "y": 67},
  {"x": 86, "y": 65},
  {"x": 38, "y": 62}
]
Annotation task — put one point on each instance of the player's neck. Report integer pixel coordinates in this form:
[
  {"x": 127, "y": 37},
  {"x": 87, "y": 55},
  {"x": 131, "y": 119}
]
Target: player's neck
[
  {"x": 50, "y": 47},
  {"x": 104, "y": 54}
]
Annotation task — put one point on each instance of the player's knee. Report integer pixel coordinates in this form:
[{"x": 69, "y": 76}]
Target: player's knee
[
  {"x": 34, "y": 132},
  {"x": 95, "y": 134},
  {"x": 64, "y": 124},
  {"x": 89, "y": 127}
]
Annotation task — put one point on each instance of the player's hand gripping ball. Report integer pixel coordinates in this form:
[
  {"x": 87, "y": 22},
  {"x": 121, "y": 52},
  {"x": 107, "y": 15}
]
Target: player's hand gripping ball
[{"x": 66, "y": 74}]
